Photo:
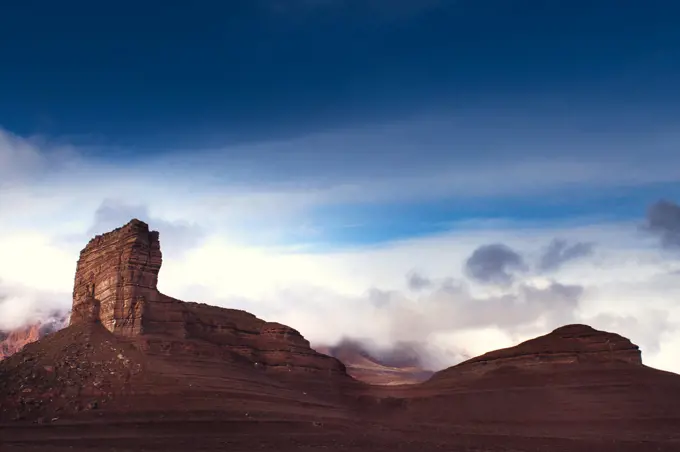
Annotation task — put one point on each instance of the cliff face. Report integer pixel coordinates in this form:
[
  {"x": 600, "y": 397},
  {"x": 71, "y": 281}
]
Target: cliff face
[
  {"x": 116, "y": 277},
  {"x": 116, "y": 285}
]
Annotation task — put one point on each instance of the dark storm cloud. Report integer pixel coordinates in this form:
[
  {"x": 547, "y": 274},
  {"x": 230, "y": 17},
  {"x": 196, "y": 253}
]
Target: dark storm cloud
[
  {"x": 176, "y": 237},
  {"x": 494, "y": 264},
  {"x": 663, "y": 221},
  {"x": 559, "y": 252}
]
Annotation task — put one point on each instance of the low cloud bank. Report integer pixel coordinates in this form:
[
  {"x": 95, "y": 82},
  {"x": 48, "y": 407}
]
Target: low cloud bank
[
  {"x": 21, "y": 306},
  {"x": 495, "y": 295}
]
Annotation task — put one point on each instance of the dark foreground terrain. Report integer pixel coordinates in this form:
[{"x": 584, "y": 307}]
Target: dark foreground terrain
[
  {"x": 85, "y": 389},
  {"x": 260, "y": 431}
]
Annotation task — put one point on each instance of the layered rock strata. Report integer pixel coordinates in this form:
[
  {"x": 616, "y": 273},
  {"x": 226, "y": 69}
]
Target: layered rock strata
[
  {"x": 570, "y": 344},
  {"x": 116, "y": 285}
]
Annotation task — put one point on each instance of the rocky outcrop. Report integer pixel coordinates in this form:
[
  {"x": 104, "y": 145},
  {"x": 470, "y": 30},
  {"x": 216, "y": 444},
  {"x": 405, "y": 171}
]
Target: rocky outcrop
[
  {"x": 116, "y": 275},
  {"x": 570, "y": 344},
  {"x": 116, "y": 285}
]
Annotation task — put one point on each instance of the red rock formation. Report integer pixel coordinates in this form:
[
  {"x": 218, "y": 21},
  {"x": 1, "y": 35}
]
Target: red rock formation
[
  {"x": 116, "y": 285},
  {"x": 573, "y": 381},
  {"x": 181, "y": 394},
  {"x": 569, "y": 344},
  {"x": 185, "y": 376},
  {"x": 116, "y": 276}
]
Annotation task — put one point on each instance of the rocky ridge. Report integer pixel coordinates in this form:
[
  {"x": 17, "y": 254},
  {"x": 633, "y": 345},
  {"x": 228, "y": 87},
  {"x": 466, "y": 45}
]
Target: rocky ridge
[
  {"x": 569, "y": 344},
  {"x": 116, "y": 285}
]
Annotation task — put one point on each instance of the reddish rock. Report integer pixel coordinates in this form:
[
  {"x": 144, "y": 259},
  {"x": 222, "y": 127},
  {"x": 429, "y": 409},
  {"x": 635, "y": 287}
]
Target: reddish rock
[
  {"x": 116, "y": 276},
  {"x": 13, "y": 341},
  {"x": 570, "y": 344},
  {"x": 116, "y": 285},
  {"x": 154, "y": 372}
]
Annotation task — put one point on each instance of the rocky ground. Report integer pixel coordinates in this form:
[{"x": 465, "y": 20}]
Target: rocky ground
[
  {"x": 84, "y": 388},
  {"x": 247, "y": 436}
]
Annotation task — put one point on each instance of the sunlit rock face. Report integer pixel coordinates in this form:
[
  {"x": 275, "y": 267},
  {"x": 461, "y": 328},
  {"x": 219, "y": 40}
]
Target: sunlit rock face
[{"x": 116, "y": 285}]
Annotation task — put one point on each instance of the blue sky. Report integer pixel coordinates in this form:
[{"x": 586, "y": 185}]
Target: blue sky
[
  {"x": 403, "y": 117},
  {"x": 155, "y": 76},
  {"x": 301, "y": 156}
]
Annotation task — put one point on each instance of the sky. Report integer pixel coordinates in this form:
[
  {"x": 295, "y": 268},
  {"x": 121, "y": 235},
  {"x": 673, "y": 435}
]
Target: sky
[{"x": 460, "y": 175}]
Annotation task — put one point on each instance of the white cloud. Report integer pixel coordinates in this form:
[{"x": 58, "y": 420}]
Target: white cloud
[
  {"x": 362, "y": 292},
  {"x": 328, "y": 296},
  {"x": 20, "y": 305}
]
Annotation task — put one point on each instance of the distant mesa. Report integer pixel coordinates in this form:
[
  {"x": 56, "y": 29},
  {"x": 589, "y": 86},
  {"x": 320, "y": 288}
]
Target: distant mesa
[
  {"x": 13, "y": 341},
  {"x": 395, "y": 367},
  {"x": 569, "y": 344}
]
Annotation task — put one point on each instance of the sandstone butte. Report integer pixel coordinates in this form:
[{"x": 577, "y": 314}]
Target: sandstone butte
[
  {"x": 132, "y": 353},
  {"x": 116, "y": 285}
]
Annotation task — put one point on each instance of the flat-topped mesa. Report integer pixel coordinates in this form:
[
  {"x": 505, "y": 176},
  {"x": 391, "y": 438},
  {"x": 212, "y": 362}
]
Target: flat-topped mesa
[
  {"x": 116, "y": 285},
  {"x": 569, "y": 344}
]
